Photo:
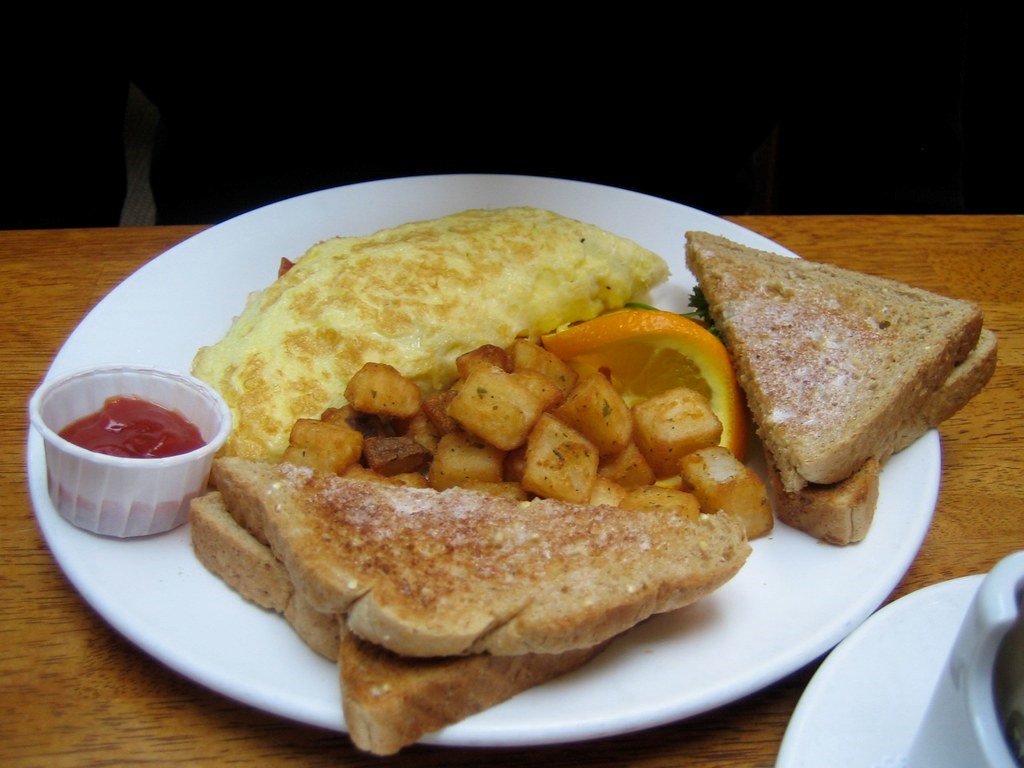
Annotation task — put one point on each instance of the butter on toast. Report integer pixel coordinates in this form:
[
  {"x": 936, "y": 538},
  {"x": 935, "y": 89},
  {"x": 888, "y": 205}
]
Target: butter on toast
[
  {"x": 832, "y": 362},
  {"x": 428, "y": 573},
  {"x": 388, "y": 702}
]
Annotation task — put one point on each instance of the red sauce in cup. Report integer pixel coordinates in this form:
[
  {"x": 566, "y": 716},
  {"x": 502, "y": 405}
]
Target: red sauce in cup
[{"x": 131, "y": 427}]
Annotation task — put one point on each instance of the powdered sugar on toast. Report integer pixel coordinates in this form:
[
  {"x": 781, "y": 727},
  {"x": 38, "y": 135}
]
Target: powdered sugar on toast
[
  {"x": 429, "y": 573},
  {"x": 831, "y": 361}
]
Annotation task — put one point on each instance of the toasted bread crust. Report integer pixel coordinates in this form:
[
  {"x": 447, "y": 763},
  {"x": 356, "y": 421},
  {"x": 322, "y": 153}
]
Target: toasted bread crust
[
  {"x": 428, "y": 573},
  {"x": 388, "y": 701},
  {"x": 391, "y": 701},
  {"x": 966, "y": 380},
  {"x": 838, "y": 514},
  {"x": 228, "y": 550},
  {"x": 831, "y": 361}
]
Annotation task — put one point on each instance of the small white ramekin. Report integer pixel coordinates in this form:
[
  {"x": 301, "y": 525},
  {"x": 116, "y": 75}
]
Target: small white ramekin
[{"x": 126, "y": 497}]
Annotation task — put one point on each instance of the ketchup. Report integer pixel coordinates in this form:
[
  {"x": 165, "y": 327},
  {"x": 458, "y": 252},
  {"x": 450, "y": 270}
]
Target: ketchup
[{"x": 131, "y": 427}]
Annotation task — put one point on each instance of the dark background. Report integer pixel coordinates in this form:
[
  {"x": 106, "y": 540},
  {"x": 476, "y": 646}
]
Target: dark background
[{"x": 732, "y": 112}]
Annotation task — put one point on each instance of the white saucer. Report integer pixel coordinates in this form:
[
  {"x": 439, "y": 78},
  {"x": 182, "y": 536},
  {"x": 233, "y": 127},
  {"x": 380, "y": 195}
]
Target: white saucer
[{"x": 866, "y": 701}]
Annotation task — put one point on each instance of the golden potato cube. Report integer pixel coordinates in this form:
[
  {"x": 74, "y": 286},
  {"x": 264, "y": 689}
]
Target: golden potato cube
[
  {"x": 338, "y": 415},
  {"x": 463, "y": 458},
  {"x": 723, "y": 483},
  {"x": 394, "y": 455},
  {"x": 607, "y": 492},
  {"x": 488, "y": 354},
  {"x": 515, "y": 464},
  {"x": 381, "y": 389},
  {"x": 496, "y": 407},
  {"x": 545, "y": 389},
  {"x": 370, "y": 424},
  {"x": 628, "y": 467},
  {"x": 421, "y": 429},
  {"x": 323, "y": 446},
  {"x": 596, "y": 409},
  {"x": 672, "y": 424},
  {"x": 529, "y": 355},
  {"x": 435, "y": 408},
  {"x": 661, "y": 498},
  {"x": 560, "y": 462}
]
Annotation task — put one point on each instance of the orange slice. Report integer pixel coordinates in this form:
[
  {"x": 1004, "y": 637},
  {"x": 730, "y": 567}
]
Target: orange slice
[{"x": 647, "y": 351}]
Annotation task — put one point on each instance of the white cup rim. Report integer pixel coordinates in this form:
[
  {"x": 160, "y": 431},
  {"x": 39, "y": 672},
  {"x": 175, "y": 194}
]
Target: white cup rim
[{"x": 51, "y": 436}]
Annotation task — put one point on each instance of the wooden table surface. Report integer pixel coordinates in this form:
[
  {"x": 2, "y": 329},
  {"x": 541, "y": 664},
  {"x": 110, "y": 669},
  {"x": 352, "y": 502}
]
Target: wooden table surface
[{"x": 74, "y": 692}]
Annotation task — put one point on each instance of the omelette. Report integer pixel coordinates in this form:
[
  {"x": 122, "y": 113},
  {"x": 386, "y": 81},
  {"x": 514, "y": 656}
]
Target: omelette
[{"x": 415, "y": 297}]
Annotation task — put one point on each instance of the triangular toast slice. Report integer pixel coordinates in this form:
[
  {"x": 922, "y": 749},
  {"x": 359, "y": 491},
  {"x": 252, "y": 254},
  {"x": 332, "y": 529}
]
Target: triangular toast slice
[
  {"x": 835, "y": 364},
  {"x": 426, "y": 573},
  {"x": 389, "y": 702}
]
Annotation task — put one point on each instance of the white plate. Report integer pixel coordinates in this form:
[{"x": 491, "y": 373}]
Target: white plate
[
  {"x": 865, "y": 703},
  {"x": 791, "y": 603}
]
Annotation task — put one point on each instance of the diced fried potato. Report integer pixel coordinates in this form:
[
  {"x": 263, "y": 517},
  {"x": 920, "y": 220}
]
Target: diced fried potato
[
  {"x": 672, "y": 424},
  {"x": 381, "y": 389},
  {"x": 495, "y": 406},
  {"x": 488, "y": 354},
  {"x": 359, "y": 472},
  {"x": 545, "y": 389},
  {"x": 521, "y": 423},
  {"x": 515, "y": 464},
  {"x": 370, "y": 424},
  {"x": 607, "y": 491},
  {"x": 723, "y": 483},
  {"x": 394, "y": 455},
  {"x": 596, "y": 409},
  {"x": 338, "y": 415},
  {"x": 526, "y": 354},
  {"x": 628, "y": 467},
  {"x": 560, "y": 462},
  {"x": 435, "y": 407},
  {"x": 657, "y": 497},
  {"x": 421, "y": 429},
  {"x": 463, "y": 458},
  {"x": 323, "y": 446}
]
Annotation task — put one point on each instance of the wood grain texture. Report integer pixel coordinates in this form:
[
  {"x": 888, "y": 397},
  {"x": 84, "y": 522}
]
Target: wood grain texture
[{"x": 73, "y": 692}]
